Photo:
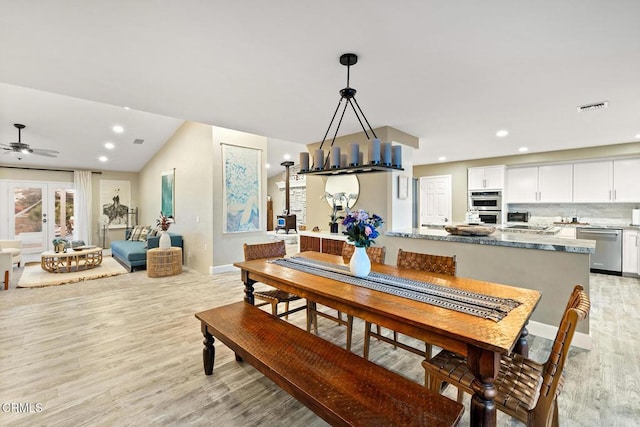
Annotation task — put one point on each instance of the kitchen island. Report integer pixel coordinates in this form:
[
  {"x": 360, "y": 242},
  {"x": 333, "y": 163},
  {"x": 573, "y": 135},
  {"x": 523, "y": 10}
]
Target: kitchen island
[{"x": 552, "y": 265}]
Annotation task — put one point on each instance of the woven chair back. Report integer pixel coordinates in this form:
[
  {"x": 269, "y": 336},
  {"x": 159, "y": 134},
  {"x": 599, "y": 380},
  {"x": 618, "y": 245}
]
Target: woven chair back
[
  {"x": 376, "y": 253},
  {"x": 427, "y": 262},
  {"x": 264, "y": 250},
  {"x": 577, "y": 309}
]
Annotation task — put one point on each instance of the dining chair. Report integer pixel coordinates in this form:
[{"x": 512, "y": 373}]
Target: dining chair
[
  {"x": 526, "y": 390},
  {"x": 274, "y": 296},
  {"x": 415, "y": 261},
  {"x": 376, "y": 255}
]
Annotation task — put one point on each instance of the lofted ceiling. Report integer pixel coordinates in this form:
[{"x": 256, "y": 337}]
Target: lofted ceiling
[{"x": 450, "y": 73}]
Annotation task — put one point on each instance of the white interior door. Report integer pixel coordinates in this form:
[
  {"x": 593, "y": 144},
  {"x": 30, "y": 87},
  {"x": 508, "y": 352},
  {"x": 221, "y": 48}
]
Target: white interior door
[
  {"x": 41, "y": 211},
  {"x": 435, "y": 200}
]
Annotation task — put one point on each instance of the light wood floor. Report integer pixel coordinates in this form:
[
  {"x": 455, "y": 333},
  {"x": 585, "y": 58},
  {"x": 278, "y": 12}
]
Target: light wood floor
[{"x": 128, "y": 351}]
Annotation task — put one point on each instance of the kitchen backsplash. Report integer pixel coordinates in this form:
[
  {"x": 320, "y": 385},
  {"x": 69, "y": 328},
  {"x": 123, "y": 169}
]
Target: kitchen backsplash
[{"x": 593, "y": 213}]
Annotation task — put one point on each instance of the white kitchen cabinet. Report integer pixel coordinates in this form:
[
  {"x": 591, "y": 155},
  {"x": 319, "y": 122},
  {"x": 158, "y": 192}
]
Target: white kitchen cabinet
[
  {"x": 607, "y": 181},
  {"x": 630, "y": 251},
  {"x": 540, "y": 184},
  {"x": 592, "y": 181},
  {"x": 567, "y": 233},
  {"x": 522, "y": 185},
  {"x": 626, "y": 180},
  {"x": 486, "y": 178}
]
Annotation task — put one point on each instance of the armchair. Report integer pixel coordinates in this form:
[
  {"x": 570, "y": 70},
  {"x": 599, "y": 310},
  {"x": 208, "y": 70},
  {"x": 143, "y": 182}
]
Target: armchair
[
  {"x": 6, "y": 268},
  {"x": 15, "y": 248}
]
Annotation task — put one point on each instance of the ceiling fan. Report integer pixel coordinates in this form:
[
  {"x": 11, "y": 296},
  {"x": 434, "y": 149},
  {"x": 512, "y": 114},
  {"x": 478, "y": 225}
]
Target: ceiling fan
[{"x": 21, "y": 148}]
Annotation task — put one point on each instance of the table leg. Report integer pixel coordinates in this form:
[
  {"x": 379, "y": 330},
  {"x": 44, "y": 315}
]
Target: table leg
[
  {"x": 485, "y": 365},
  {"x": 522, "y": 346},
  {"x": 209, "y": 351},
  {"x": 248, "y": 287}
]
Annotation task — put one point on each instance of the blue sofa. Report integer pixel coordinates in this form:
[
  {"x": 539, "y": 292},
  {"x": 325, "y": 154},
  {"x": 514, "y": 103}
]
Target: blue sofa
[{"x": 133, "y": 253}]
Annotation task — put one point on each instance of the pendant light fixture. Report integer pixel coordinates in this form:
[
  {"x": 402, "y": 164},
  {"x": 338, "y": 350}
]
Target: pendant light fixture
[{"x": 382, "y": 157}]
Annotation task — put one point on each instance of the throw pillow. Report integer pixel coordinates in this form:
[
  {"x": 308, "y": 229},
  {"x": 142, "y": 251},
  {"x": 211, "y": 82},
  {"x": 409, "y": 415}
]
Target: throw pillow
[
  {"x": 144, "y": 233},
  {"x": 135, "y": 234}
]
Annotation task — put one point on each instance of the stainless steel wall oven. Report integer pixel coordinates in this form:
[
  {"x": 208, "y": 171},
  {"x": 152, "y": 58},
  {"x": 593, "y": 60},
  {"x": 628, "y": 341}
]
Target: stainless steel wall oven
[{"x": 485, "y": 200}]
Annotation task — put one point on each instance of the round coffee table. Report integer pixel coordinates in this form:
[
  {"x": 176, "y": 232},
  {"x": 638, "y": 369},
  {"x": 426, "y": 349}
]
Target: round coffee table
[{"x": 80, "y": 258}]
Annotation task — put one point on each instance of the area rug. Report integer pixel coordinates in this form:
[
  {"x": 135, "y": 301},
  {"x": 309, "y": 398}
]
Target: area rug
[{"x": 34, "y": 276}]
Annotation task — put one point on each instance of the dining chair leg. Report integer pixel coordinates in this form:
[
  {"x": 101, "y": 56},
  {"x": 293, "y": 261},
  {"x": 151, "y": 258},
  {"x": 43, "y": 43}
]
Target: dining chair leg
[
  {"x": 428, "y": 350},
  {"x": 349, "y": 331},
  {"x": 6, "y": 280},
  {"x": 286, "y": 310},
  {"x": 555, "y": 420},
  {"x": 309, "y": 315},
  {"x": 274, "y": 308},
  {"x": 312, "y": 317},
  {"x": 367, "y": 339}
]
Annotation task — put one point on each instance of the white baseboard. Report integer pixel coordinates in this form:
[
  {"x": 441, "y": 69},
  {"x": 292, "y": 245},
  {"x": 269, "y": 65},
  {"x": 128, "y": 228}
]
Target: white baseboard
[
  {"x": 580, "y": 340},
  {"x": 219, "y": 269}
]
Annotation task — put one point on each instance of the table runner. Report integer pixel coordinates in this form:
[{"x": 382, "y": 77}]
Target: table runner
[{"x": 476, "y": 304}]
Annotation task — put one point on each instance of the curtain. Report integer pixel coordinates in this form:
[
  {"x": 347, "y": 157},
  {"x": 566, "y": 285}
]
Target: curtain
[{"x": 82, "y": 206}]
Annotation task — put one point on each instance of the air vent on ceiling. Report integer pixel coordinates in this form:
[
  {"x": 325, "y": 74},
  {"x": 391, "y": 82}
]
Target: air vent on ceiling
[
  {"x": 138, "y": 141},
  {"x": 596, "y": 106}
]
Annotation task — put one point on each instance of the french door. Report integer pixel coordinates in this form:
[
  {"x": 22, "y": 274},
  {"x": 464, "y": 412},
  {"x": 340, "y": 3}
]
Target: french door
[{"x": 41, "y": 211}]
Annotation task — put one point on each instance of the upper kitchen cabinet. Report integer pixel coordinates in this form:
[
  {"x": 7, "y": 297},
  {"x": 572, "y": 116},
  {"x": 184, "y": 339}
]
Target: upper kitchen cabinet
[
  {"x": 486, "y": 178},
  {"x": 540, "y": 184},
  {"x": 626, "y": 180},
  {"x": 607, "y": 181}
]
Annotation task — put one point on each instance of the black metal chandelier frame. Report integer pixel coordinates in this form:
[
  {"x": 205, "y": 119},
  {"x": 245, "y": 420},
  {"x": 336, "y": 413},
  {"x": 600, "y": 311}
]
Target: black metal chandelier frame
[{"x": 348, "y": 95}]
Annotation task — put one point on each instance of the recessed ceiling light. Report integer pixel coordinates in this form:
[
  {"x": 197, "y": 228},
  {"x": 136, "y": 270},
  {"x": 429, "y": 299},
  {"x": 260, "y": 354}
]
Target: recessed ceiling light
[
  {"x": 442, "y": 158},
  {"x": 502, "y": 132},
  {"x": 523, "y": 149},
  {"x": 127, "y": 108},
  {"x": 103, "y": 158},
  {"x": 287, "y": 157},
  {"x": 268, "y": 165},
  {"x": 638, "y": 135},
  {"x": 109, "y": 145},
  {"x": 118, "y": 129}
]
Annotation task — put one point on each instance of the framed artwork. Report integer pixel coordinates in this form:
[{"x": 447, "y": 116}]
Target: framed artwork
[
  {"x": 115, "y": 201},
  {"x": 403, "y": 187},
  {"x": 241, "y": 188},
  {"x": 167, "y": 206}
]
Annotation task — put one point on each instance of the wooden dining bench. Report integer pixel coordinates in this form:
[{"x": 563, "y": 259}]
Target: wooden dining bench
[{"x": 339, "y": 386}]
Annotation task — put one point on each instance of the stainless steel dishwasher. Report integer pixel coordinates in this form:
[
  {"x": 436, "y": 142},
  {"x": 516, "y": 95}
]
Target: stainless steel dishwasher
[{"x": 608, "y": 256}]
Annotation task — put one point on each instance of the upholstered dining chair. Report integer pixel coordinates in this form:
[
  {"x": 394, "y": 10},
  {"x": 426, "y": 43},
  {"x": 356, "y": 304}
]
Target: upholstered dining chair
[
  {"x": 415, "y": 261},
  {"x": 525, "y": 389},
  {"x": 376, "y": 255},
  {"x": 274, "y": 297}
]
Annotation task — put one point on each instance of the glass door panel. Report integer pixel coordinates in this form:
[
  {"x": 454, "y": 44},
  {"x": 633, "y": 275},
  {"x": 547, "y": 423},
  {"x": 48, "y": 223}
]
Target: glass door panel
[{"x": 29, "y": 220}]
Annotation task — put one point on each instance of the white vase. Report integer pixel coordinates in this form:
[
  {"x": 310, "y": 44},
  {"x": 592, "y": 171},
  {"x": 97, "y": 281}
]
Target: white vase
[
  {"x": 360, "y": 264},
  {"x": 165, "y": 240}
]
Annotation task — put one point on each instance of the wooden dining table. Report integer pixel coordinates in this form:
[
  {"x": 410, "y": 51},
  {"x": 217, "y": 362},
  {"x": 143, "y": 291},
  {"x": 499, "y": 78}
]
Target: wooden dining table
[{"x": 481, "y": 340}]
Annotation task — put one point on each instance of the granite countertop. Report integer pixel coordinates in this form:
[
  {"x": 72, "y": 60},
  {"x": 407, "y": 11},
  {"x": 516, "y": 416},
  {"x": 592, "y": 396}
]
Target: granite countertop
[
  {"x": 525, "y": 240},
  {"x": 597, "y": 225}
]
